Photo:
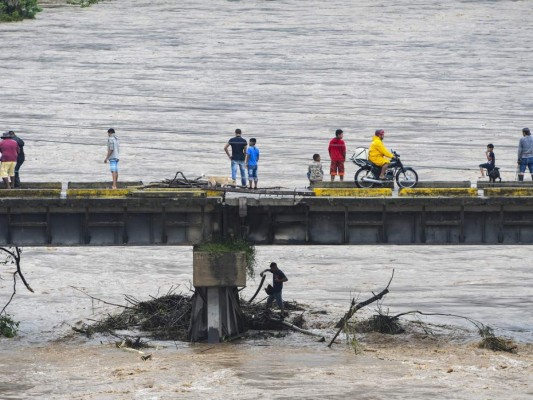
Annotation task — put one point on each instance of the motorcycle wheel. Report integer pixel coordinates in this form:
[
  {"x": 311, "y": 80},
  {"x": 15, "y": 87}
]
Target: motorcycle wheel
[
  {"x": 364, "y": 173},
  {"x": 407, "y": 179}
]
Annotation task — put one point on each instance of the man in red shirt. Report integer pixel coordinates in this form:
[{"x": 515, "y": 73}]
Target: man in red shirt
[
  {"x": 337, "y": 155},
  {"x": 10, "y": 150}
]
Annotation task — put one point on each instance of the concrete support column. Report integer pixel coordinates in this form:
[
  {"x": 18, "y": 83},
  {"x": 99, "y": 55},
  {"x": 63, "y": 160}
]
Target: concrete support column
[
  {"x": 213, "y": 315},
  {"x": 216, "y": 311}
]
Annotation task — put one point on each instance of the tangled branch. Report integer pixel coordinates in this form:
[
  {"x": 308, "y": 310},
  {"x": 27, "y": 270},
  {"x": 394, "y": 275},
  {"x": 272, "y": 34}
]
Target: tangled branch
[
  {"x": 354, "y": 307},
  {"x": 14, "y": 257}
]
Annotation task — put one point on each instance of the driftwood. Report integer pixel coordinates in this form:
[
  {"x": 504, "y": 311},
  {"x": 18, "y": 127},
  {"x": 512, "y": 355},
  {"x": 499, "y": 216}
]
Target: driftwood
[
  {"x": 354, "y": 307},
  {"x": 100, "y": 300},
  {"x": 488, "y": 339},
  {"x": 304, "y": 331}
]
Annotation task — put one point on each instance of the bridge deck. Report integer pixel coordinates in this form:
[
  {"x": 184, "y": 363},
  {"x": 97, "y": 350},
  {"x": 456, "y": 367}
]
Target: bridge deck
[{"x": 174, "y": 220}]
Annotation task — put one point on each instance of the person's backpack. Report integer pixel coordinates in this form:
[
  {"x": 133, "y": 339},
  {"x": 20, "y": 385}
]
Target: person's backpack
[{"x": 494, "y": 174}]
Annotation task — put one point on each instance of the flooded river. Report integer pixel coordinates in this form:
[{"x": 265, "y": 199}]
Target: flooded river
[{"x": 175, "y": 79}]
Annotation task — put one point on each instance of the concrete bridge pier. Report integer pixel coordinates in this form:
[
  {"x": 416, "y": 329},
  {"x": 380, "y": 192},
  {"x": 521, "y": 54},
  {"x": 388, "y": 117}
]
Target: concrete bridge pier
[{"x": 216, "y": 312}]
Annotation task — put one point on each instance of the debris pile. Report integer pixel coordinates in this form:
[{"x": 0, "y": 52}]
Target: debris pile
[
  {"x": 380, "y": 323},
  {"x": 168, "y": 318}
]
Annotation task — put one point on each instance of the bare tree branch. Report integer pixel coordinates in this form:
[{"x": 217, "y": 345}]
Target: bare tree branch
[
  {"x": 15, "y": 256},
  {"x": 353, "y": 308},
  {"x": 19, "y": 270},
  {"x": 12, "y": 294},
  {"x": 100, "y": 300}
]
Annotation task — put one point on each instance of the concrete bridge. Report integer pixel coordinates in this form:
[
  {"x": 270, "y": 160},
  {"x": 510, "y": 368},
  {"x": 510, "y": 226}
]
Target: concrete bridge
[{"x": 89, "y": 217}]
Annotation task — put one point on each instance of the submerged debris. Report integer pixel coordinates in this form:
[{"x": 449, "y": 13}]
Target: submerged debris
[
  {"x": 380, "y": 323},
  {"x": 132, "y": 344},
  {"x": 168, "y": 318},
  {"x": 495, "y": 343}
]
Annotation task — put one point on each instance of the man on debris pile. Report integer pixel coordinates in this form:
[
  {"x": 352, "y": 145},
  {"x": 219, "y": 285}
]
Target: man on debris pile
[{"x": 278, "y": 277}]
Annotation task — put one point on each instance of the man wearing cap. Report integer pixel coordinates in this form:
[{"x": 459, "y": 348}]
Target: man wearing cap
[
  {"x": 525, "y": 154},
  {"x": 10, "y": 150},
  {"x": 112, "y": 155},
  {"x": 378, "y": 153},
  {"x": 337, "y": 155}
]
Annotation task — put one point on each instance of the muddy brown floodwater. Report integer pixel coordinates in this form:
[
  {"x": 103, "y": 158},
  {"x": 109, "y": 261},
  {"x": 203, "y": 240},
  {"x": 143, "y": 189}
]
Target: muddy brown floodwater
[
  {"x": 48, "y": 361},
  {"x": 175, "y": 79}
]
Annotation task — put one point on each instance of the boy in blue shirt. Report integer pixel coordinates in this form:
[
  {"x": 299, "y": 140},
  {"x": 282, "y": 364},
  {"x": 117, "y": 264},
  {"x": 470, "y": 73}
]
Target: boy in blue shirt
[{"x": 252, "y": 158}]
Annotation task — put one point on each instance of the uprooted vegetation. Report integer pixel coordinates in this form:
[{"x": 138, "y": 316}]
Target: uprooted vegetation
[
  {"x": 393, "y": 325},
  {"x": 168, "y": 318}
]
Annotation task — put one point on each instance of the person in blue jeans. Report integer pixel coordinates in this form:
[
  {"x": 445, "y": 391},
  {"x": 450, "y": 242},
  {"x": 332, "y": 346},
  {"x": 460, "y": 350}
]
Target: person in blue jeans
[
  {"x": 238, "y": 152},
  {"x": 525, "y": 154},
  {"x": 252, "y": 158},
  {"x": 278, "y": 277}
]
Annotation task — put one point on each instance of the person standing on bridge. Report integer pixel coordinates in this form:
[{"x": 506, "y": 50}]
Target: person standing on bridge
[
  {"x": 278, "y": 277},
  {"x": 238, "y": 154},
  {"x": 112, "y": 155},
  {"x": 10, "y": 150},
  {"x": 252, "y": 158},
  {"x": 525, "y": 154},
  {"x": 378, "y": 153},
  {"x": 337, "y": 155},
  {"x": 20, "y": 159}
]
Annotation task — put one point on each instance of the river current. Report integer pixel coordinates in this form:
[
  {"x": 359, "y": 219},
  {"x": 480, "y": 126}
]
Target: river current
[{"x": 175, "y": 79}]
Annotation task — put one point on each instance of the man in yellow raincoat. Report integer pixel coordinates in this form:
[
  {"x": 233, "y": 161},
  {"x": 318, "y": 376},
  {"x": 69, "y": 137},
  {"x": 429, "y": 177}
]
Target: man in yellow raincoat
[{"x": 378, "y": 153}]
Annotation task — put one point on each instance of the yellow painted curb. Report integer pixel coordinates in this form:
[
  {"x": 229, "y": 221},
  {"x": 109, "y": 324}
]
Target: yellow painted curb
[
  {"x": 508, "y": 192},
  {"x": 438, "y": 192},
  {"x": 213, "y": 193},
  {"x": 24, "y": 193},
  {"x": 168, "y": 189},
  {"x": 168, "y": 193},
  {"x": 353, "y": 192},
  {"x": 98, "y": 192}
]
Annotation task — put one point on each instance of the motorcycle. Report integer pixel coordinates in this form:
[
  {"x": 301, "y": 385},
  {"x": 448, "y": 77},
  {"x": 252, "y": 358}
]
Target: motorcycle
[{"x": 368, "y": 174}]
